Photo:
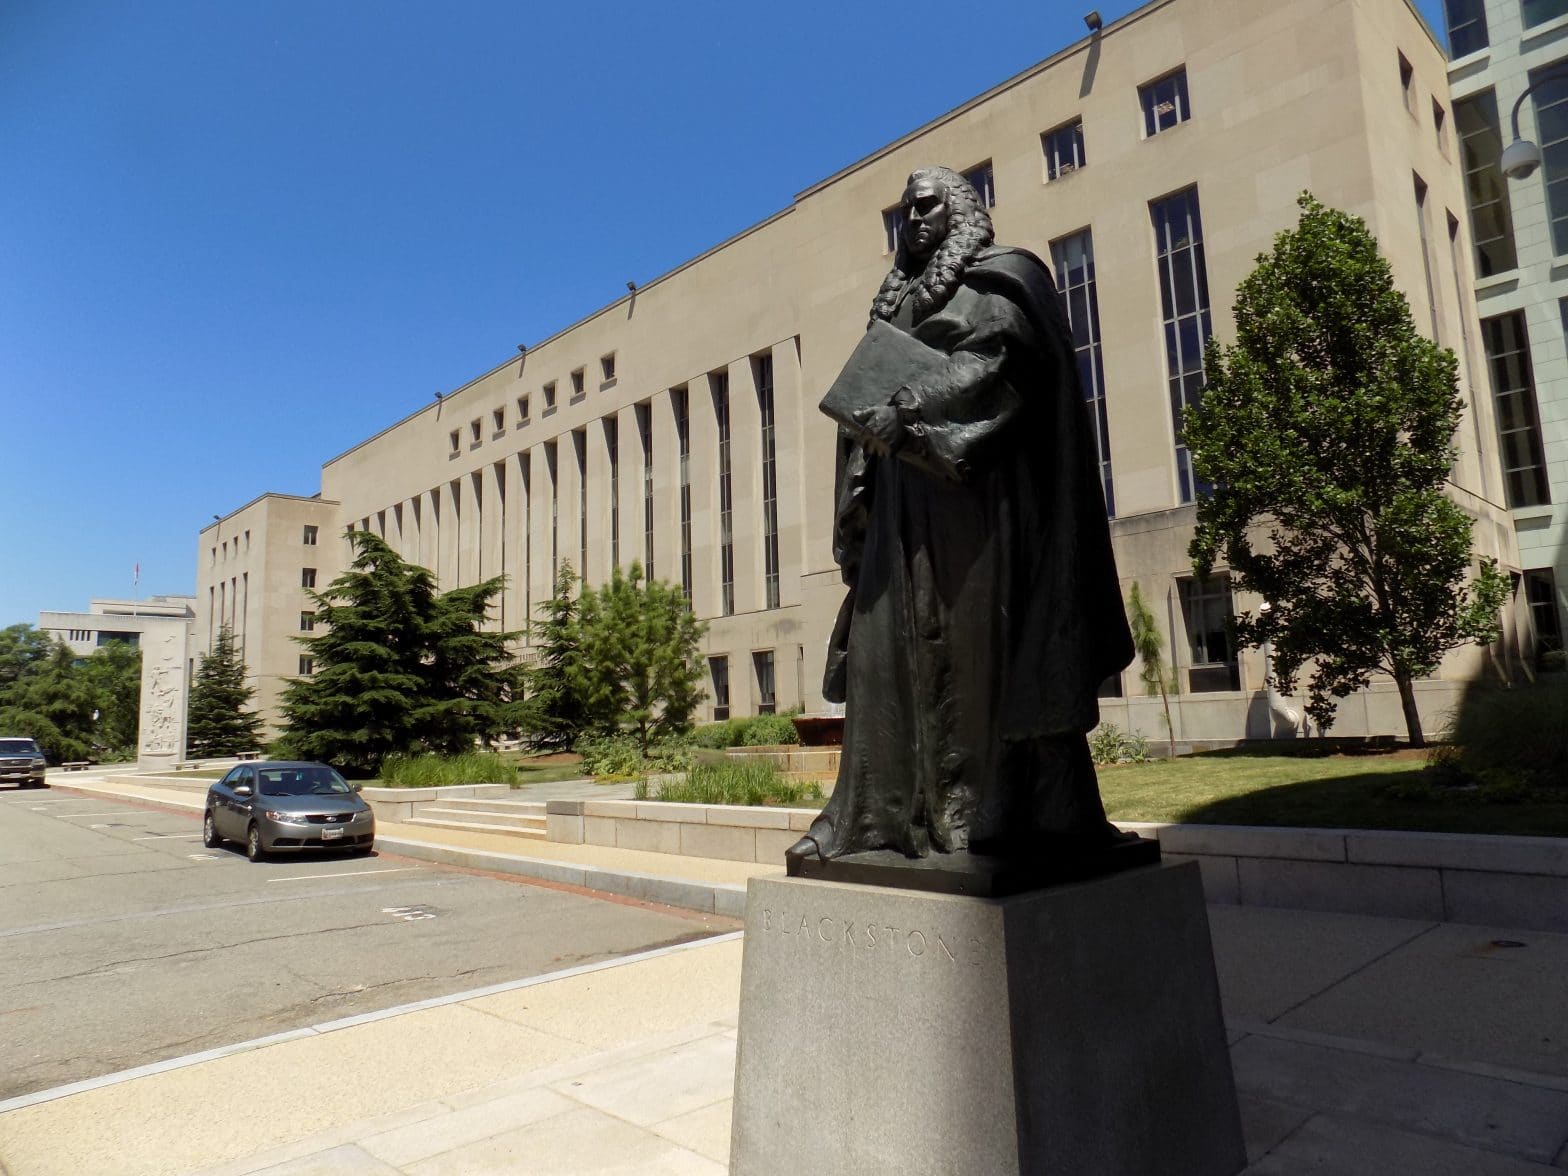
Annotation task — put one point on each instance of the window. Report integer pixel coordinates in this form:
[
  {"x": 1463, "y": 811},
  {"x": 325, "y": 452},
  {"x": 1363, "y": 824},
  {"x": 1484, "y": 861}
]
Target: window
[
  {"x": 549, "y": 396},
  {"x": 607, "y": 366},
  {"x": 1164, "y": 103},
  {"x": 307, "y": 666},
  {"x": 1073, "y": 258},
  {"x": 522, "y": 411},
  {"x": 719, "y": 671},
  {"x": 309, "y": 536},
  {"x": 762, "y": 666},
  {"x": 578, "y": 377},
  {"x": 307, "y": 577},
  {"x": 1466, "y": 26},
  {"x": 983, "y": 179},
  {"x": 680, "y": 402},
  {"x": 1206, "y": 610},
  {"x": 307, "y": 622},
  {"x": 475, "y": 430},
  {"x": 1537, "y": 12},
  {"x": 454, "y": 441},
  {"x": 1407, "y": 83},
  {"x": 1540, "y": 593},
  {"x": 552, "y": 468},
  {"x": 1063, "y": 149},
  {"x": 1551, "y": 121},
  {"x": 1426, "y": 257},
  {"x": 580, "y": 451},
  {"x": 498, "y": 420},
  {"x": 1184, "y": 298},
  {"x": 1440, "y": 125},
  {"x": 892, "y": 221},
  {"x": 213, "y": 561},
  {"x": 1480, "y": 148},
  {"x": 762, "y": 371},
  {"x": 1518, "y": 425},
  {"x": 612, "y": 452},
  {"x": 645, "y": 437},
  {"x": 719, "y": 385}
]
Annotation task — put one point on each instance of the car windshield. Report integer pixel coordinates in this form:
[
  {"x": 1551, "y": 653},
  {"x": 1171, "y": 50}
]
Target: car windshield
[
  {"x": 18, "y": 747},
  {"x": 302, "y": 782}
]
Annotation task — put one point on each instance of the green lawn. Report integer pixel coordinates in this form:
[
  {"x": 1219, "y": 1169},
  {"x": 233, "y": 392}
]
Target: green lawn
[{"x": 1331, "y": 791}]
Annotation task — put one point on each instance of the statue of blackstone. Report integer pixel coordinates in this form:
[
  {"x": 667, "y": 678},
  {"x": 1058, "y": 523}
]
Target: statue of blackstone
[{"x": 983, "y": 610}]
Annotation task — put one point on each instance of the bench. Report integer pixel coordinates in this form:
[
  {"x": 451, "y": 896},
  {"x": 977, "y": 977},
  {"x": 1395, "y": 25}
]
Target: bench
[
  {"x": 187, "y": 766},
  {"x": 248, "y": 755},
  {"x": 77, "y": 766}
]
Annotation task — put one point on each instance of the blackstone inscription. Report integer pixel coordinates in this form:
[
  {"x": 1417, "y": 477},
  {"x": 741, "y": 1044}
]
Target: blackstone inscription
[{"x": 868, "y": 938}]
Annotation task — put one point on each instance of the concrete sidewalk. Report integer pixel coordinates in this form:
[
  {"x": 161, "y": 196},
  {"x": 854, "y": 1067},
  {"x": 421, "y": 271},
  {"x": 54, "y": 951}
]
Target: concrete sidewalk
[{"x": 1361, "y": 1045}]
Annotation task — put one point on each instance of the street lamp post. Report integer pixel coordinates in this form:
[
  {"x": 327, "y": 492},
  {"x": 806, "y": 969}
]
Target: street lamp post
[{"x": 1521, "y": 157}]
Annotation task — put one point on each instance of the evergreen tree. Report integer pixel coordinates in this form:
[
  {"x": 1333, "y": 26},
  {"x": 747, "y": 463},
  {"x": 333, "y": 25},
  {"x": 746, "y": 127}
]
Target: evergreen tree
[
  {"x": 472, "y": 686},
  {"x": 1150, "y": 645},
  {"x": 22, "y": 650},
  {"x": 359, "y": 704},
  {"x": 53, "y": 696},
  {"x": 219, "y": 722},
  {"x": 638, "y": 663},
  {"x": 114, "y": 674},
  {"x": 555, "y": 713},
  {"x": 1326, "y": 432}
]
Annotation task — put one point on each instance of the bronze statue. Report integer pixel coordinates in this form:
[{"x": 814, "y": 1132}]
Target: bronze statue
[{"x": 983, "y": 610}]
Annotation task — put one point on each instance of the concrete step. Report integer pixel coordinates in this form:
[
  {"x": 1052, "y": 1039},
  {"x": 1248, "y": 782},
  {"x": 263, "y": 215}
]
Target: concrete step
[
  {"x": 501, "y": 819},
  {"x": 488, "y": 805},
  {"x": 479, "y": 827}
]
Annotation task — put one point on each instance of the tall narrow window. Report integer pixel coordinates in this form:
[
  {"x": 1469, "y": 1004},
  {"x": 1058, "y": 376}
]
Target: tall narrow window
[
  {"x": 1480, "y": 148},
  {"x": 1073, "y": 258},
  {"x": 549, "y": 396},
  {"x": 307, "y": 622},
  {"x": 1551, "y": 121},
  {"x": 580, "y": 452},
  {"x": 892, "y": 223},
  {"x": 762, "y": 370},
  {"x": 983, "y": 178},
  {"x": 680, "y": 401},
  {"x": 1164, "y": 103},
  {"x": 1206, "y": 609},
  {"x": 1426, "y": 258},
  {"x": 645, "y": 438},
  {"x": 719, "y": 383},
  {"x": 762, "y": 666},
  {"x": 719, "y": 672},
  {"x": 1518, "y": 424},
  {"x": 525, "y": 472},
  {"x": 1537, "y": 12},
  {"x": 309, "y": 539},
  {"x": 578, "y": 377},
  {"x": 1407, "y": 82},
  {"x": 552, "y": 469},
  {"x": 612, "y": 451},
  {"x": 1540, "y": 593},
  {"x": 1184, "y": 299},
  {"x": 1466, "y": 26},
  {"x": 307, "y": 577},
  {"x": 1063, "y": 147},
  {"x": 307, "y": 666}
]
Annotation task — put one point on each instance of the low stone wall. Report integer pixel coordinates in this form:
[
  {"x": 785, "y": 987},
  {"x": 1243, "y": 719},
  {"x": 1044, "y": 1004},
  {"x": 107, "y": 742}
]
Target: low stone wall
[
  {"x": 805, "y": 761},
  {"x": 736, "y": 833},
  {"x": 1517, "y": 882},
  {"x": 398, "y": 804}
]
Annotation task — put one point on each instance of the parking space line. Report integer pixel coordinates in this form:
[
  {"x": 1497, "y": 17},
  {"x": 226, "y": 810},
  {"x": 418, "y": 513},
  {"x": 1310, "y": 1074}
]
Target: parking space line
[
  {"x": 350, "y": 874},
  {"x": 164, "y": 836},
  {"x": 119, "y": 812}
]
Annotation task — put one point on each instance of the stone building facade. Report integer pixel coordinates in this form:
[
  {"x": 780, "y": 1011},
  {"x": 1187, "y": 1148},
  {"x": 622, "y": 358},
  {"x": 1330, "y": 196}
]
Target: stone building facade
[{"x": 1149, "y": 164}]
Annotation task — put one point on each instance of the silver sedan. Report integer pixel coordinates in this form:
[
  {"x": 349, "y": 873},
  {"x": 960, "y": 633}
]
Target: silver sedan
[{"x": 287, "y": 807}]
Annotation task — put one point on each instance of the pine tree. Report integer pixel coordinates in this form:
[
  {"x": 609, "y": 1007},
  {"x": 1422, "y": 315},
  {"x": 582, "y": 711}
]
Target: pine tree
[
  {"x": 473, "y": 688},
  {"x": 220, "y": 722},
  {"x": 555, "y": 713},
  {"x": 1326, "y": 432}
]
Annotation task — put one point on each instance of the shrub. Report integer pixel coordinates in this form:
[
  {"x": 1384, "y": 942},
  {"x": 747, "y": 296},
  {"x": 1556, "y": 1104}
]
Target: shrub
[
  {"x": 430, "y": 771},
  {"x": 1508, "y": 739},
  {"x": 769, "y": 731},
  {"x": 718, "y": 735},
  {"x": 619, "y": 755},
  {"x": 1109, "y": 744},
  {"x": 734, "y": 781}
]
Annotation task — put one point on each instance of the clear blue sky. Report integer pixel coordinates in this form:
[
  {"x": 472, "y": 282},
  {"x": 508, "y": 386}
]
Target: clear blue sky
[{"x": 236, "y": 239}]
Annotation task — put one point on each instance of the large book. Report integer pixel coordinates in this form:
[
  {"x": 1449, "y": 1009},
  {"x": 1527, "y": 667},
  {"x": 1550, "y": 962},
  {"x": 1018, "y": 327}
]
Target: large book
[{"x": 885, "y": 359}]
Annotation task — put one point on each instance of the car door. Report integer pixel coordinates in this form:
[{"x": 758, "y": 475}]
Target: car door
[
  {"x": 241, "y": 809},
  {"x": 223, "y": 801}
]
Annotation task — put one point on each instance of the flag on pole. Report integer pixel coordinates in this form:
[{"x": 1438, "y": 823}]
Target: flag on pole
[{"x": 136, "y": 575}]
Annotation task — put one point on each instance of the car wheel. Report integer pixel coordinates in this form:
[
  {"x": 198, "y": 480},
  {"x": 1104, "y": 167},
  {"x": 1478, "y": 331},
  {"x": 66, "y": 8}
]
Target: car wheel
[
  {"x": 253, "y": 847},
  {"x": 209, "y": 833}
]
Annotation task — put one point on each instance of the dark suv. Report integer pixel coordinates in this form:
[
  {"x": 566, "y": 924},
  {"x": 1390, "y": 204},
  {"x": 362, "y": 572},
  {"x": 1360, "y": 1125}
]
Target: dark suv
[{"x": 21, "y": 763}]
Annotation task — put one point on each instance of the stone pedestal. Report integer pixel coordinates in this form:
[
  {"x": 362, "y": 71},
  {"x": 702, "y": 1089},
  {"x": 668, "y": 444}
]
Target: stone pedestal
[{"x": 1073, "y": 1030}]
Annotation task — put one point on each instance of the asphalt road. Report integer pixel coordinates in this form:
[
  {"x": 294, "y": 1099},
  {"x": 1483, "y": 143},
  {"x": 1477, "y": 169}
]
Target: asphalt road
[{"x": 124, "y": 942}]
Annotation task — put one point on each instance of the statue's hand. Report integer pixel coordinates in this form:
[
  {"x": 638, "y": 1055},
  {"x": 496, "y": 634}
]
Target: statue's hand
[{"x": 884, "y": 431}]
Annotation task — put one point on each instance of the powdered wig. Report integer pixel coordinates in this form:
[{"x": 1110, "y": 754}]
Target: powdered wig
[{"x": 968, "y": 232}]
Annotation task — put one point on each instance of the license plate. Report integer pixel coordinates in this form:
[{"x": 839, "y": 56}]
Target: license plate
[{"x": 331, "y": 834}]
